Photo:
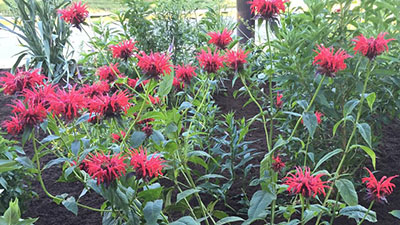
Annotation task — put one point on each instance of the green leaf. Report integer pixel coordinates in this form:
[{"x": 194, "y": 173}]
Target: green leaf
[
  {"x": 369, "y": 151},
  {"x": 211, "y": 176},
  {"x": 358, "y": 212},
  {"x": 166, "y": 85},
  {"x": 395, "y": 213},
  {"x": 12, "y": 214},
  {"x": 310, "y": 121},
  {"x": 152, "y": 193},
  {"x": 55, "y": 162},
  {"x": 152, "y": 211},
  {"x": 259, "y": 203},
  {"x": 71, "y": 205},
  {"x": 186, "y": 194},
  {"x": 347, "y": 191},
  {"x": 49, "y": 138},
  {"x": 187, "y": 220},
  {"x": 157, "y": 137},
  {"x": 327, "y": 157},
  {"x": 365, "y": 131},
  {"x": 349, "y": 106},
  {"x": 335, "y": 127},
  {"x": 75, "y": 147},
  {"x": 371, "y": 99},
  {"x": 303, "y": 104},
  {"x": 26, "y": 162},
  {"x": 229, "y": 219},
  {"x": 137, "y": 138}
]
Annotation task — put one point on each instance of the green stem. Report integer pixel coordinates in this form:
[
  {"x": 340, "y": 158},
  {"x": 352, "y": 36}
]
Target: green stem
[
  {"x": 366, "y": 214},
  {"x": 302, "y": 209},
  {"x": 271, "y": 98},
  {"x": 306, "y": 153}
]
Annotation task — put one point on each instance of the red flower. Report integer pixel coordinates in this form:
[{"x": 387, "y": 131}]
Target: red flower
[
  {"x": 279, "y": 102},
  {"x": 221, "y": 40},
  {"x": 96, "y": 89},
  {"x": 105, "y": 168},
  {"x": 118, "y": 137},
  {"x": 21, "y": 80},
  {"x": 318, "y": 115},
  {"x": 67, "y": 103},
  {"x": 123, "y": 50},
  {"x": 178, "y": 83},
  {"x": 28, "y": 115},
  {"x": 154, "y": 100},
  {"x": 210, "y": 62},
  {"x": 267, "y": 9},
  {"x": 109, "y": 73},
  {"x": 371, "y": 47},
  {"x": 185, "y": 72},
  {"x": 236, "y": 59},
  {"x": 330, "y": 63},
  {"x": 302, "y": 182},
  {"x": 378, "y": 190},
  {"x": 40, "y": 95},
  {"x": 277, "y": 163},
  {"x": 75, "y": 14},
  {"x": 146, "y": 167},
  {"x": 154, "y": 64},
  {"x": 133, "y": 83},
  {"x": 148, "y": 129},
  {"x": 109, "y": 106}
]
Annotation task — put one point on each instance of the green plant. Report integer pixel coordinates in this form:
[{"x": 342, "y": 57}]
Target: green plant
[{"x": 12, "y": 216}]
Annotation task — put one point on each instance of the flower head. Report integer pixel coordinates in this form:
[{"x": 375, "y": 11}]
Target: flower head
[
  {"x": 154, "y": 64},
  {"x": 75, "y": 14},
  {"x": 185, "y": 72},
  {"x": 144, "y": 166},
  {"x": 154, "y": 100},
  {"x": 236, "y": 59},
  {"x": 267, "y": 9},
  {"x": 21, "y": 80},
  {"x": 105, "y": 168},
  {"x": 123, "y": 50},
  {"x": 96, "y": 89},
  {"x": 109, "y": 106},
  {"x": 378, "y": 190},
  {"x": 277, "y": 163},
  {"x": 211, "y": 62},
  {"x": 221, "y": 40},
  {"x": 109, "y": 73},
  {"x": 67, "y": 103},
  {"x": 371, "y": 47},
  {"x": 178, "y": 83},
  {"x": 116, "y": 138},
  {"x": 40, "y": 95},
  {"x": 330, "y": 63},
  {"x": 302, "y": 182},
  {"x": 279, "y": 102}
]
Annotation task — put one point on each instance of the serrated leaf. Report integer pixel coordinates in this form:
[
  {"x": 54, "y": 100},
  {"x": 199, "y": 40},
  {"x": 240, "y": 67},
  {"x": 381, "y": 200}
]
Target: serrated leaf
[
  {"x": 166, "y": 84},
  {"x": 137, "y": 138},
  {"x": 310, "y": 121},
  {"x": 358, "y": 212},
  {"x": 259, "y": 203},
  {"x": 157, "y": 137},
  {"x": 75, "y": 147},
  {"x": 365, "y": 130},
  {"x": 186, "y": 194},
  {"x": 151, "y": 212},
  {"x": 347, "y": 191},
  {"x": 71, "y": 205}
]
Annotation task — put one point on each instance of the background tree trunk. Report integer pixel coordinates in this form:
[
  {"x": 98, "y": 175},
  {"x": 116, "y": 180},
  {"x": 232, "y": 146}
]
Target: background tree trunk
[{"x": 245, "y": 23}]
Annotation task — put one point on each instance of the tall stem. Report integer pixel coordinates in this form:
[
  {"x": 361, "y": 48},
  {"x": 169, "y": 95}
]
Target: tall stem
[
  {"x": 271, "y": 99},
  {"x": 347, "y": 150},
  {"x": 366, "y": 214}
]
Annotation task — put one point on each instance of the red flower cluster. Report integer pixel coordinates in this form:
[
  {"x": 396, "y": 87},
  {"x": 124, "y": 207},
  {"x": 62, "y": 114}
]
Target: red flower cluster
[
  {"x": 185, "y": 72},
  {"x": 302, "y": 182},
  {"x": 277, "y": 164},
  {"x": 40, "y": 95},
  {"x": 279, "y": 102},
  {"x": 75, "y": 14},
  {"x": 371, "y": 47},
  {"x": 25, "y": 116},
  {"x": 20, "y": 81},
  {"x": 109, "y": 73},
  {"x": 267, "y": 9},
  {"x": 221, "y": 40},
  {"x": 211, "y": 62},
  {"x": 96, "y": 89},
  {"x": 105, "y": 168},
  {"x": 154, "y": 64},
  {"x": 108, "y": 106},
  {"x": 236, "y": 59},
  {"x": 67, "y": 103},
  {"x": 123, "y": 50},
  {"x": 146, "y": 167},
  {"x": 133, "y": 83},
  {"x": 330, "y": 63},
  {"x": 118, "y": 137},
  {"x": 378, "y": 190}
]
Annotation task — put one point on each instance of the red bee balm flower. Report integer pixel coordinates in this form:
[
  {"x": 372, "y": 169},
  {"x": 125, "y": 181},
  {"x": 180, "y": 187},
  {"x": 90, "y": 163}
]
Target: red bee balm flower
[
  {"x": 109, "y": 73},
  {"x": 221, "y": 40},
  {"x": 105, "y": 168},
  {"x": 330, "y": 63},
  {"x": 20, "y": 81},
  {"x": 378, "y": 191},
  {"x": 28, "y": 115},
  {"x": 302, "y": 182},
  {"x": 118, "y": 137},
  {"x": 267, "y": 9},
  {"x": 277, "y": 163},
  {"x": 185, "y": 72},
  {"x": 236, "y": 60},
  {"x": 96, "y": 89},
  {"x": 178, "y": 83},
  {"x": 154, "y": 64},
  {"x": 133, "y": 83},
  {"x": 109, "y": 106},
  {"x": 75, "y": 14},
  {"x": 146, "y": 167},
  {"x": 123, "y": 50},
  {"x": 279, "y": 102},
  {"x": 210, "y": 62},
  {"x": 67, "y": 103},
  {"x": 40, "y": 95},
  {"x": 371, "y": 47}
]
